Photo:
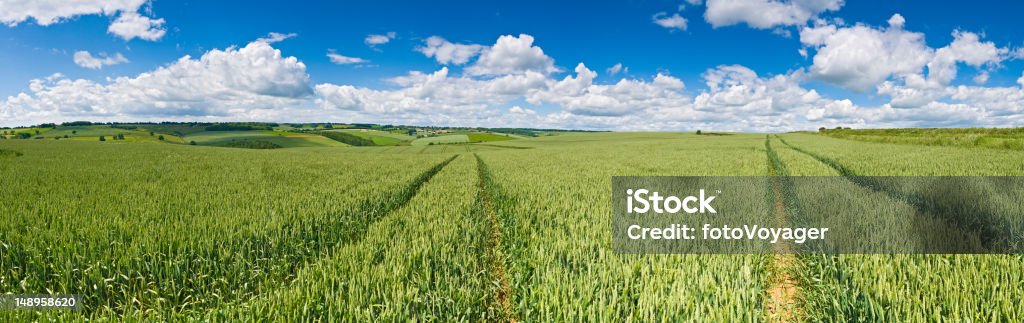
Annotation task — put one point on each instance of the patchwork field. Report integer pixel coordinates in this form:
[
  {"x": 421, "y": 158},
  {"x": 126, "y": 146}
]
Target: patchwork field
[
  {"x": 93, "y": 133},
  {"x": 280, "y": 139},
  {"x": 493, "y": 231}
]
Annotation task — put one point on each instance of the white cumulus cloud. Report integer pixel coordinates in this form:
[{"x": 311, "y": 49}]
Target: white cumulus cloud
[
  {"x": 446, "y": 52},
  {"x": 896, "y": 21},
  {"x": 85, "y": 59},
  {"x": 766, "y": 14},
  {"x": 675, "y": 21},
  {"x": 374, "y": 39},
  {"x": 965, "y": 48},
  {"x": 861, "y": 57},
  {"x": 130, "y": 25},
  {"x": 522, "y": 88},
  {"x": 229, "y": 83},
  {"x": 512, "y": 55},
  {"x": 47, "y": 12}
]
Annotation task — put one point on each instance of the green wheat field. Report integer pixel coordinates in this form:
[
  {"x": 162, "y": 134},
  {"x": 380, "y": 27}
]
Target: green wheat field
[{"x": 472, "y": 226}]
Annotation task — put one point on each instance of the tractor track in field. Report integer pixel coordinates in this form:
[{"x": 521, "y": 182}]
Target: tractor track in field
[
  {"x": 400, "y": 198},
  {"x": 495, "y": 254},
  {"x": 784, "y": 292},
  {"x": 992, "y": 231}
]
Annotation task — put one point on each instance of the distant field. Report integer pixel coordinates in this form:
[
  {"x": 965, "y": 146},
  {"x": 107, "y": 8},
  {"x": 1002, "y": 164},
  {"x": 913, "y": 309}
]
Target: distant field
[
  {"x": 9, "y": 132},
  {"x": 174, "y": 129},
  {"x": 93, "y": 132},
  {"x": 380, "y": 138},
  {"x": 288, "y": 127},
  {"x": 447, "y": 139},
  {"x": 219, "y": 138},
  {"x": 1000, "y": 138},
  {"x": 88, "y": 131},
  {"x": 485, "y": 137}
]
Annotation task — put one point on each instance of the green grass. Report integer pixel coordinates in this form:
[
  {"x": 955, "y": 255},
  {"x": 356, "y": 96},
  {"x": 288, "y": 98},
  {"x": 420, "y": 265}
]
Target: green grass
[{"x": 440, "y": 140}]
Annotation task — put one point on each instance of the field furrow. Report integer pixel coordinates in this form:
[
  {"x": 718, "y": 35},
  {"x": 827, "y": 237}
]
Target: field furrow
[
  {"x": 501, "y": 296},
  {"x": 905, "y": 287},
  {"x": 423, "y": 262},
  {"x": 784, "y": 291}
]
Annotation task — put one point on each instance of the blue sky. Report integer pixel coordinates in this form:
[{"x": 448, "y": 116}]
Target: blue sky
[{"x": 788, "y": 90}]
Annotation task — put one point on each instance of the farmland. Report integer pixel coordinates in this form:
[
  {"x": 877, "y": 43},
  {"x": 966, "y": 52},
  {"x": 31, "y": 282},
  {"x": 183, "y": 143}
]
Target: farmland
[
  {"x": 283, "y": 140},
  {"x": 93, "y": 133},
  {"x": 445, "y": 139},
  {"x": 1004, "y": 138},
  {"x": 380, "y": 138},
  {"x": 488, "y": 229}
]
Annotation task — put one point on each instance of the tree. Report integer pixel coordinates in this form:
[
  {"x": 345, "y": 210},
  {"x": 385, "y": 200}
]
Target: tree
[
  {"x": 192, "y": 142},
  {"x": 822, "y": 129},
  {"x": 37, "y": 132},
  {"x": 120, "y": 136},
  {"x": 74, "y": 132},
  {"x": 65, "y": 136},
  {"x": 102, "y": 138},
  {"x": 150, "y": 133},
  {"x": 161, "y": 137},
  {"x": 698, "y": 131}
]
